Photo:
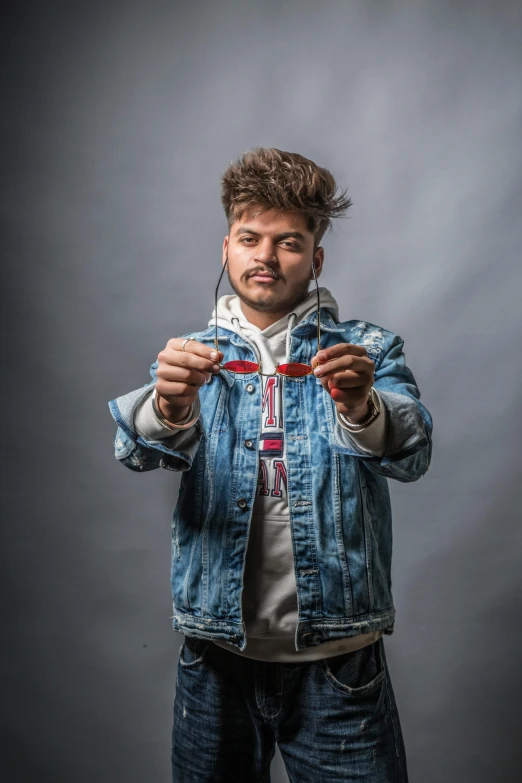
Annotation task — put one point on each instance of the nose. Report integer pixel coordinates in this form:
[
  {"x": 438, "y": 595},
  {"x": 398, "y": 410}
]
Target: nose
[{"x": 265, "y": 252}]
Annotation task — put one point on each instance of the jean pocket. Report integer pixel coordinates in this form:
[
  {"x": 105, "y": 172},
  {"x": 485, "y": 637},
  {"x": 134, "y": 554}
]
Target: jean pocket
[
  {"x": 356, "y": 673},
  {"x": 192, "y": 652}
]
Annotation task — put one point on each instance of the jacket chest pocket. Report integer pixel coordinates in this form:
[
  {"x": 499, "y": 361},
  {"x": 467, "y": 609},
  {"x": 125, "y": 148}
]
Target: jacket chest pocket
[
  {"x": 214, "y": 406},
  {"x": 221, "y": 419}
]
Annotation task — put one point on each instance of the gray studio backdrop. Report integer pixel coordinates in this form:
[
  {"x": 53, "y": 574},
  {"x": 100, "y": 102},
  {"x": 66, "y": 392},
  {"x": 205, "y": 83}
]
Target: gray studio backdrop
[{"x": 118, "y": 120}]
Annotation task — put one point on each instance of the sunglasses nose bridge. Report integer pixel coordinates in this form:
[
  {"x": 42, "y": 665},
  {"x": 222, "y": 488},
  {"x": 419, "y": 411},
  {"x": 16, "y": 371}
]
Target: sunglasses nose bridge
[{"x": 238, "y": 368}]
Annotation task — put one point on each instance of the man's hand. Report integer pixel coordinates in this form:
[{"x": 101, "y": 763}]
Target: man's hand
[
  {"x": 346, "y": 372},
  {"x": 181, "y": 374}
]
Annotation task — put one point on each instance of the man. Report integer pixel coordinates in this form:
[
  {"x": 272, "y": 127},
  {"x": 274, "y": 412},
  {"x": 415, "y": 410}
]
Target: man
[{"x": 285, "y": 428}]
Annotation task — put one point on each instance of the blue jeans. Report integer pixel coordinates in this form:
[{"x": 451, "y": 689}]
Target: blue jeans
[{"x": 334, "y": 719}]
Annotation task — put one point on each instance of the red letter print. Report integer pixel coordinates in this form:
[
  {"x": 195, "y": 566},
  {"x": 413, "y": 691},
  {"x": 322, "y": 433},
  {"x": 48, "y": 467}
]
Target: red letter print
[
  {"x": 262, "y": 478},
  {"x": 268, "y": 399},
  {"x": 280, "y": 474}
]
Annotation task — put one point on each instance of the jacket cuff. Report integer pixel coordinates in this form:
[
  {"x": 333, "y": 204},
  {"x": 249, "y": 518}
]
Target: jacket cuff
[
  {"x": 372, "y": 439},
  {"x": 176, "y": 452}
]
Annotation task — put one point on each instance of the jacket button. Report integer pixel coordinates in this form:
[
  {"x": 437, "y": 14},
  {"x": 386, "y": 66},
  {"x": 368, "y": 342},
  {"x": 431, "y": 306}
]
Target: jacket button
[
  {"x": 250, "y": 387},
  {"x": 248, "y": 444},
  {"x": 242, "y": 503}
]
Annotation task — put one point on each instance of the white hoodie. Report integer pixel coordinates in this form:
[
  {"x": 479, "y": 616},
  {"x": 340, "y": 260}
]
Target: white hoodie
[{"x": 269, "y": 593}]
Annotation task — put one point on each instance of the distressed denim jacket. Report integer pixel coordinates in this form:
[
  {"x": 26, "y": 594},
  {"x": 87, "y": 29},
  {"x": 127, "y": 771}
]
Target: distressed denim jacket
[{"x": 339, "y": 503}]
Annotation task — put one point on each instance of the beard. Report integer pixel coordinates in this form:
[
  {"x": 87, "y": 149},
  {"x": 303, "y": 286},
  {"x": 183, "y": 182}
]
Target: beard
[{"x": 271, "y": 302}]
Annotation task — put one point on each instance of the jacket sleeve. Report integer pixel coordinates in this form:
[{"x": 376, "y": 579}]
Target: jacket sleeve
[
  {"x": 372, "y": 439},
  {"x": 176, "y": 452},
  {"x": 407, "y": 455}
]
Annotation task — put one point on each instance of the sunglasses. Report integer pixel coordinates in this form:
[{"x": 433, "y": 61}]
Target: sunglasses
[{"x": 290, "y": 370}]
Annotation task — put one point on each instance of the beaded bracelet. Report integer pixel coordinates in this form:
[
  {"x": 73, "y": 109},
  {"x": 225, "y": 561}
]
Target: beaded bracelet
[{"x": 374, "y": 412}]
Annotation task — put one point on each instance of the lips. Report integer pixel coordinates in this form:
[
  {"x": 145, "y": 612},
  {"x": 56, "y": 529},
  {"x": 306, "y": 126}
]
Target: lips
[
  {"x": 266, "y": 282},
  {"x": 263, "y": 276}
]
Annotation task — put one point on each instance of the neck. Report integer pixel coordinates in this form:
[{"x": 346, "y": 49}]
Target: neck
[{"x": 260, "y": 319}]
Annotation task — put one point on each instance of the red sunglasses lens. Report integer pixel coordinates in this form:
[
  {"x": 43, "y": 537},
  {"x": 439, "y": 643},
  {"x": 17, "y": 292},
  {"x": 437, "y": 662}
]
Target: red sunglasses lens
[
  {"x": 294, "y": 369},
  {"x": 240, "y": 366}
]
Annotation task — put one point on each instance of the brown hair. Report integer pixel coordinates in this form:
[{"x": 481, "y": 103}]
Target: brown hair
[{"x": 273, "y": 179}]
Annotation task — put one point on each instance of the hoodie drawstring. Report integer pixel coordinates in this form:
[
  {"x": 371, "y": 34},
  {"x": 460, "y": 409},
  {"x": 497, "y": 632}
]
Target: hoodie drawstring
[
  {"x": 245, "y": 337},
  {"x": 292, "y": 318},
  {"x": 289, "y": 332}
]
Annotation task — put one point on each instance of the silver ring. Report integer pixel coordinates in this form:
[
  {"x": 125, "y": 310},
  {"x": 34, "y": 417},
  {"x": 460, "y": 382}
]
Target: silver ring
[{"x": 183, "y": 344}]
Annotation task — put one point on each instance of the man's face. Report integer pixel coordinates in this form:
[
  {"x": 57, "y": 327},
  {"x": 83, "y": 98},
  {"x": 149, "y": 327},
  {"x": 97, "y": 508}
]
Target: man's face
[{"x": 270, "y": 260}]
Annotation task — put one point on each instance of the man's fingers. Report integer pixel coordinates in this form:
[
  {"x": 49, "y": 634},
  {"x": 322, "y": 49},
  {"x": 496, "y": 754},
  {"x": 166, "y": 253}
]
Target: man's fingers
[
  {"x": 345, "y": 380},
  {"x": 341, "y": 349},
  {"x": 345, "y": 362},
  {"x": 198, "y": 357},
  {"x": 194, "y": 347},
  {"x": 181, "y": 393},
  {"x": 191, "y": 376}
]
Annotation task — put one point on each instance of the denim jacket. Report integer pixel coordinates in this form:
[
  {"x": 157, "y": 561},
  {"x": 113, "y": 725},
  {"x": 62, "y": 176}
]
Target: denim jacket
[{"x": 339, "y": 503}]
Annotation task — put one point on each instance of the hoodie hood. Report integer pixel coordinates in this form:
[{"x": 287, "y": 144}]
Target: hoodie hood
[{"x": 271, "y": 345}]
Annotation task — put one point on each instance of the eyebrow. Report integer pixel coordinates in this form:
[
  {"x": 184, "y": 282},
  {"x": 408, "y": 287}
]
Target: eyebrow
[{"x": 284, "y": 235}]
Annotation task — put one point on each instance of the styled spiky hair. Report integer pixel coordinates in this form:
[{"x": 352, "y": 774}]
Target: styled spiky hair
[{"x": 269, "y": 178}]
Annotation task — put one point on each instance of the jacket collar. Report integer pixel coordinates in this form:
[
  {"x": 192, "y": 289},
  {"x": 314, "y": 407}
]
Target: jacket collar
[
  {"x": 327, "y": 324},
  {"x": 305, "y": 327}
]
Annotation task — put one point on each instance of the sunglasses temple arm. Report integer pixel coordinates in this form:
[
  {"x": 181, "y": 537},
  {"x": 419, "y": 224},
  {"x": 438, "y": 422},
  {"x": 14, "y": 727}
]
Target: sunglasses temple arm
[
  {"x": 216, "y": 304},
  {"x": 318, "y": 309}
]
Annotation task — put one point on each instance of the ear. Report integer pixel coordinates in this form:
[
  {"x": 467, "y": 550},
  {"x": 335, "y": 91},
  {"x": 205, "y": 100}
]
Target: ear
[
  {"x": 225, "y": 251},
  {"x": 318, "y": 261}
]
